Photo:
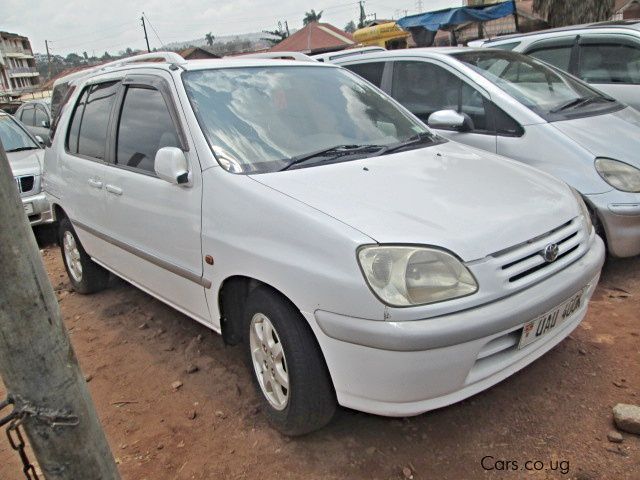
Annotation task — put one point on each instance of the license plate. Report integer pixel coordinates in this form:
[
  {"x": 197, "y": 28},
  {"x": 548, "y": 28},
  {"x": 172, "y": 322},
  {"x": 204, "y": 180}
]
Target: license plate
[
  {"x": 537, "y": 328},
  {"x": 28, "y": 208}
]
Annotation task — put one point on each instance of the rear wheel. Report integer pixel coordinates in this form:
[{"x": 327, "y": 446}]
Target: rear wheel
[
  {"x": 86, "y": 276},
  {"x": 288, "y": 369}
]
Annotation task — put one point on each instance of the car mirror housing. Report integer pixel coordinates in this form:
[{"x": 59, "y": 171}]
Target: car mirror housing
[
  {"x": 45, "y": 124},
  {"x": 450, "y": 120},
  {"x": 40, "y": 141},
  {"x": 171, "y": 165}
]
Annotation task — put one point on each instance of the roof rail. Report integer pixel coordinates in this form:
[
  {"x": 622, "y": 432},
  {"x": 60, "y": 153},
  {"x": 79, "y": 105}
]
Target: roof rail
[
  {"x": 153, "y": 57},
  {"x": 323, "y": 57},
  {"x": 301, "y": 57}
]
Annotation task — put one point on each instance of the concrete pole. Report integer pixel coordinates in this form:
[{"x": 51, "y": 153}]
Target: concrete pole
[{"x": 37, "y": 363}]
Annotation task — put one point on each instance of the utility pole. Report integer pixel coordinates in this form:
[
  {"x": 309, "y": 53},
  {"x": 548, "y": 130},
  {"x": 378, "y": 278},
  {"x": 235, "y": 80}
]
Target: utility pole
[
  {"x": 38, "y": 366},
  {"x": 46, "y": 44},
  {"x": 144, "y": 27}
]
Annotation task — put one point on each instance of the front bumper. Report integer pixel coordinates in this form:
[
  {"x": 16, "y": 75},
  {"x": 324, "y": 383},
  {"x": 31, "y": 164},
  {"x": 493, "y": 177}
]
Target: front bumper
[
  {"x": 407, "y": 368},
  {"x": 619, "y": 213},
  {"x": 37, "y": 209}
]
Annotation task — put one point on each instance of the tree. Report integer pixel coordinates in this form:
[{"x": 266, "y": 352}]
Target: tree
[
  {"x": 73, "y": 59},
  {"x": 280, "y": 34},
  {"x": 350, "y": 27},
  {"x": 311, "y": 16},
  {"x": 85, "y": 55},
  {"x": 209, "y": 38},
  {"x": 560, "y": 13},
  {"x": 106, "y": 56}
]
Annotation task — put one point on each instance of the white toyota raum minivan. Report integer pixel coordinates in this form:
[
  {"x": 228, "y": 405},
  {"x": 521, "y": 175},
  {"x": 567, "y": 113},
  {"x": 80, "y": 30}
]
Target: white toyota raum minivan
[{"x": 293, "y": 207}]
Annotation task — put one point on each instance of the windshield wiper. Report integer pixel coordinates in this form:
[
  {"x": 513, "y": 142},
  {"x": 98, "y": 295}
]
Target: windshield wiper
[
  {"x": 581, "y": 101},
  {"x": 332, "y": 152},
  {"x": 22, "y": 149},
  {"x": 420, "y": 138},
  {"x": 571, "y": 103}
]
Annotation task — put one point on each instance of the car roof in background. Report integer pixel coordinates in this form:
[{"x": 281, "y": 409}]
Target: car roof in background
[
  {"x": 616, "y": 24},
  {"x": 410, "y": 52}
]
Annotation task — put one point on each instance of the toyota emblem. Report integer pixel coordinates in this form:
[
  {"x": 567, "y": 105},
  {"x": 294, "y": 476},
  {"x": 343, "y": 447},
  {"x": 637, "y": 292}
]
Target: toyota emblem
[{"x": 550, "y": 252}]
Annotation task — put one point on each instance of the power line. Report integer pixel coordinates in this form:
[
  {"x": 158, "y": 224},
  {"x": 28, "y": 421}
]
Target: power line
[{"x": 154, "y": 29}]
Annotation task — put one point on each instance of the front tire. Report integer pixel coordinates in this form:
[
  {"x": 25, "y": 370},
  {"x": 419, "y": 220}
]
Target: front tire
[
  {"x": 287, "y": 366},
  {"x": 86, "y": 276}
]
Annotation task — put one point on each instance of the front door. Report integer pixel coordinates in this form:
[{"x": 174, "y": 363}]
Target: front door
[
  {"x": 155, "y": 226},
  {"x": 424, "y": 88}
]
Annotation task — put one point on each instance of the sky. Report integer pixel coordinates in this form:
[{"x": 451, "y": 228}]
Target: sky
[{"x": 96, "y": 26}]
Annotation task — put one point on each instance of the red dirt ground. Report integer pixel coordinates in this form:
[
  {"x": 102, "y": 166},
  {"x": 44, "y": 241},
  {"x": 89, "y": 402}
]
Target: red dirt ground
[{"x": 556, "y": 410}]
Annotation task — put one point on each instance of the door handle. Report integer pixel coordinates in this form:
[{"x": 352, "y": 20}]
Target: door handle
[
  {"x": 113, "y": 189},
  {"x": 94, "y": 183}
]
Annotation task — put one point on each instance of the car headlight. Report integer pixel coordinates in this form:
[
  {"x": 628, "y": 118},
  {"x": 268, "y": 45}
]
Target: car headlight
[
  {"x": 619, "y": 175},
  {"x": 584, "y": 210},
  {"x": 403, "y": 276}
]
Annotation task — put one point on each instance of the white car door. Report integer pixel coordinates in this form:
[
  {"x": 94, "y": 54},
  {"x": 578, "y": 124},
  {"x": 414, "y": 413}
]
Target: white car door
[
  {"x": 82, "y": 164},
  {"x": 425, "y": 87},
  {"x": 154, "y": 225}
]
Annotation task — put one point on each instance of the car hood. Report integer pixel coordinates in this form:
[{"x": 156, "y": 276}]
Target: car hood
[
  {"x": 613, "y": 135},
  {"x": 28, "y": 162},
  {"x": 468, "y": 201}
]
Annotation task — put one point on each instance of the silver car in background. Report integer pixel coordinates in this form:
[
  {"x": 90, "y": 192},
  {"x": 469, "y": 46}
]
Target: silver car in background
[
  {"x": 522, "y": 108},
  {"x": 36, "y": 116},
  {"x": 26, "y": 158},
  {"x": 605, "y": 55}
]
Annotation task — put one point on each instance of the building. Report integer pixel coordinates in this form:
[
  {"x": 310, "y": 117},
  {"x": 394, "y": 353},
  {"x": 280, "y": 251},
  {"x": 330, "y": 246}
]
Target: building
[
  {"x": 197, "y": 53},
  {"x": 316, "y": 37},
  {"x": 626, "y": 9},
  {"x": 18, "y": 72}
]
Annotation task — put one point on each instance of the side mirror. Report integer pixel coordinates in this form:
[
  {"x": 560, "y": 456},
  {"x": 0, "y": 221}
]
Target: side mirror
[
  {"x": 41, "y": 141},
  {"x": 45, "y": 124},
  {"x": 171, "y": 165},
  {"x": 450, "y": 120}
]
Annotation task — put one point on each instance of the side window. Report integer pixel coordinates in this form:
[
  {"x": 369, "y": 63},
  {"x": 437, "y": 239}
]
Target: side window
[
  {"x": 92, "y": 137},
  {"x": 74, "y": 126},
  {"x": 425, "y": 88},
  {"x": 505, "y": 126},
  {"x": 145, "y": 126},
  {"x": 41, "y": 116},
  {"x": 473, "y": 104},
  {"x": 26, "y": 116},
  {"x": 559, "y": 57},
  {"x": 609, "y": 63},
  {"x": 369, "y": 71}
]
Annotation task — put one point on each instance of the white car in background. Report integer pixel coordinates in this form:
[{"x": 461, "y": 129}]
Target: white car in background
[
  {"x": 517, "y": 106},
  {"x": 26, "y": 156},
  {"x": 361, "y": 259},
  {"x": 605, "y": 55}
]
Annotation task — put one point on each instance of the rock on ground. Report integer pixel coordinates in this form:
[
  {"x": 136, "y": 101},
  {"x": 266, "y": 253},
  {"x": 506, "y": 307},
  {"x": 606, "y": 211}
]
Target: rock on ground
[{"x": 627, "y": 418}]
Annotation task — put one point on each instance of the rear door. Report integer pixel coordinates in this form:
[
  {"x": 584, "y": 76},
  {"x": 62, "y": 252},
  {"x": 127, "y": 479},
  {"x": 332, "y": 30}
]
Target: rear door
[
  {"x": 425, "y": 87},
  {"x": 611, "y": 63},
  {"x": 82, "y": 165},
  {"x": 154, "y": 226}
]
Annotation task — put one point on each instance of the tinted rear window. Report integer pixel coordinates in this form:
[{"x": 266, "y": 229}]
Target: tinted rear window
[{"x": 88, "y": 131}]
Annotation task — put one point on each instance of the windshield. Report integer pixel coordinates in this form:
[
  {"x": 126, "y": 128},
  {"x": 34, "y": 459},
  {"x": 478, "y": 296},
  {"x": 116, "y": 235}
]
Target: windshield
[
  {"x": 534, "y": 84},
  {"x": 260, "y": 119},
  {"x": 13, "y": 137}
]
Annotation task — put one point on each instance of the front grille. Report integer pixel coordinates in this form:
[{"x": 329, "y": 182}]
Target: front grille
[{"x": 525, "y": 264}]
